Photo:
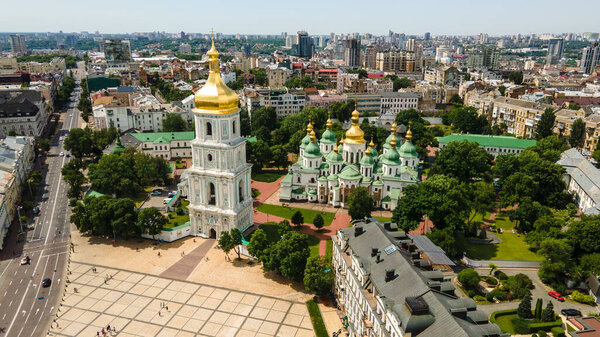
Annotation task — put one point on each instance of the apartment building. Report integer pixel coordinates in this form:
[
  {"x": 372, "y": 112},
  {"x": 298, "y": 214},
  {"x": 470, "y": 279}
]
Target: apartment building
[
  {"x": 8, "y": 65},
  {"x": 56, "y": 65},
  {"x": 583, "y": 181},
  {"x": 395, "y": 61},
  {"x": 563, "y": 123},
  {"x": 520, "y": 116},
  {"x": 286, "y": 102},
  {"x": 431, "y": 97},
  {"x": 366, "y": 103},
  {"x": 395, "y": 102},
  {"x": 446, "y": 75},
  {"x": 277, "y": 76},
  {"x": 392, "y": 284},
  {"x": 24, "y": 111},
  {"x": 167, "y": 145},
  {"x": 324, "y": 100}
]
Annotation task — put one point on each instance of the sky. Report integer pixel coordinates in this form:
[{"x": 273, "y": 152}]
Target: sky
[{"x": 450, "y": 17}]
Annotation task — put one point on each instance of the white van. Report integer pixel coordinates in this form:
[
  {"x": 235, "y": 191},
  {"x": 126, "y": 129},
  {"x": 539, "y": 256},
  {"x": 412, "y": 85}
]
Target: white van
[{"x": 166, "y": 200}]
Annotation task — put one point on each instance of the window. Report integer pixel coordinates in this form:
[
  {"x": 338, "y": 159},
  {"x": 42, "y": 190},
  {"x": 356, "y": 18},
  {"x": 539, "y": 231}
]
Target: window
[
  {"x": 233, "y": 127},
  {"x": 298, "y": 179},
  {"x": 212, "y": 200},
  {"x": 210, "y": 157},
  {"x": 208, "y": 129},
  {"x": 241, "y": 191}
]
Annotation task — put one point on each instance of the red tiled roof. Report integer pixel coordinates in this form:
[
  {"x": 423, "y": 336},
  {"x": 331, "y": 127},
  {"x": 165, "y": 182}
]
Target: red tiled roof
[
  {"x": 583, "y": 101},
  {"x": 375, "y": 75},
  {"x": 328, "y": 70}
]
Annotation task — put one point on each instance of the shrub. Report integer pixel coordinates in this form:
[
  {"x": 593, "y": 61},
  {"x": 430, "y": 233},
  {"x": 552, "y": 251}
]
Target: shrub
[
  {"x": 538, "y": 308},
  {"x": 469, "y": 278},
  {"x": 471, "y": 293},
  {"x": 558, "y": 332},
  {"x": 479, "y": 298},
  {"x": 545, "y": 326},
  {"x": 500, "y": 313},
  {"x": 179, "y": 211},
  {"x": 542, "y": 333},
  {"x": 500, "y": 295},
  {"x": 491, "y": 281},
  {"x": 500, "y": 275},
  {"x": 72, "y": 202},
  {"x": 582, "y": 298},
  {"x": 490, "y": 296},
  {"x": 558, "y": 287},
  {"x": 523, "y": 281},
  {"x": 521, "y": 326}
]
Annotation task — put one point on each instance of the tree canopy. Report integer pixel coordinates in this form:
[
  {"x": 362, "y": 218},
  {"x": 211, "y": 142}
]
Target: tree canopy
[
  {"x": 174, "y": 123},
  {"x": 360, "y": 204},
  {"x": 464, "y": 160}
]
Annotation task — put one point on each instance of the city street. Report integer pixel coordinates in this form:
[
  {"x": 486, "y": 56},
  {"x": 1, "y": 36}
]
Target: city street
[{"x": 27, "y": 308}]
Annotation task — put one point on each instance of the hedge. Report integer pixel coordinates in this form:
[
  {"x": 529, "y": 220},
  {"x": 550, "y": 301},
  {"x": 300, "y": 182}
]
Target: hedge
[
  {"x": 558, "y": 332},
  {"x": 546, "y": 326},
  {"x": 501, "y": 313},
  {"x": 582, "y": 298},
  {"x": 316, "y": 318}
]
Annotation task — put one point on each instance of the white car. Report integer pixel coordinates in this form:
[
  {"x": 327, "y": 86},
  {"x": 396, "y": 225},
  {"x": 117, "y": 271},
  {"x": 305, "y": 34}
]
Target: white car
[
  {"x": 25, "y": 260},
  {"x": 62, "y": 154}
]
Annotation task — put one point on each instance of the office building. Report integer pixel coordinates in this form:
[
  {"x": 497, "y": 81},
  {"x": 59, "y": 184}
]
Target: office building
[
  {"x": 389, "y": 284},
  {"x": 394, "y": 102},
  {"x": 352, "y": 53},
  {"x": 17, "y": 44},
  {"x": 589, "y": 58},
  {"x": 427, "y": 36},
  {"x": 304, "y": 46},
  {"x": 555, "y": 51}
]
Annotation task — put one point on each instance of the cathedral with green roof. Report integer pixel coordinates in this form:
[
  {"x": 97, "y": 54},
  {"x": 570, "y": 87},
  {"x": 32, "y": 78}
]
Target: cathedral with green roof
[{"x": 327, "y": 173}]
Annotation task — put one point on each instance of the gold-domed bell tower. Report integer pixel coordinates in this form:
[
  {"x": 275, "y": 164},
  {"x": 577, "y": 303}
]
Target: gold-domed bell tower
[
  {"x": 218, "y": 181},
  {"x": 354, "y": 143}
]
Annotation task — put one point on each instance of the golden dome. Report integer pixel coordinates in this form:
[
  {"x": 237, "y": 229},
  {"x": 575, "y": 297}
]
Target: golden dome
[
  {"x": 393, "y": 142},
  {"x": 313, "y": 136},
  {"x": 368, "y": 152},
  {"x": 409, "y": 133},
  {"x": 215, "y": 96},
  {"x": 371, "y": 144},
  {"x": 329, "y": 121},
  {"x": 309, "y": 127},
  {"x": 355, "y": 135},
  {"x": 394, "y": 128}
]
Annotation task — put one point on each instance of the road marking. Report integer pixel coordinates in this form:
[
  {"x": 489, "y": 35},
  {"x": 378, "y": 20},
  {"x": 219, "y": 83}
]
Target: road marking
[
  {"x": 20, "y": 304},
  {"x": 10, "y": 284},
  {"x": 5, "y": 269}
]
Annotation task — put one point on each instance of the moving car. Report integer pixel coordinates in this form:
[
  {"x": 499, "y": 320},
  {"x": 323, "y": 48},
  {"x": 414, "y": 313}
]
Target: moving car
[
  {"x": 46, "y": 282},
  {"x": 156, "y": 192},
  {"x": 25, "y": 260},
  {"x": 36, "y": 210},
  {"x": 570, "y": 312},
  {"x": 62, "y": 154},
  {"x": 556, "y": 295}
]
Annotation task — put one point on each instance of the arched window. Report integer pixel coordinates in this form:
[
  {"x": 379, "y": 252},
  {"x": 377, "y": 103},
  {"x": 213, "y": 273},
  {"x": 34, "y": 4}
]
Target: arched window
[
  {"x": 233, "y": 127},
  {"x": 212, "y": 199},
  {"x": 210, "y": 157},
  {"x": 241, "y": 191},
  {"x": 208, "y": 129}
]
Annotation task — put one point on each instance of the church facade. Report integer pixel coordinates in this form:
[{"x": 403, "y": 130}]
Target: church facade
[
  {"x": 327, "y": 173},
  {"x": 217, "y": 184}
]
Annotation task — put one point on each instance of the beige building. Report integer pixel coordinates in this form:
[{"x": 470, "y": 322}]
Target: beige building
[
  {"x": 520, "y": 116},
  {"x": 564, "y": 123},
  {"x": 8, "y": 65},
  {"x": 395, "y": 61},
  {"x": 57, "y": 65},
  {"x": 277, "y": 76}
]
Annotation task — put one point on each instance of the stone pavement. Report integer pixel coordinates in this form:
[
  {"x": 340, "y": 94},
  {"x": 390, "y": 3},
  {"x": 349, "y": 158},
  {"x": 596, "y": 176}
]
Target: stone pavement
[
  {"x": 138, "y": 304},
  {"x": 183, "y": 268}
]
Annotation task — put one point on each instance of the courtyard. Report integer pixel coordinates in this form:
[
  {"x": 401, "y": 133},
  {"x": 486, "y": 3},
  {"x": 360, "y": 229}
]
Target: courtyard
[{"x": 139, "y": 304}]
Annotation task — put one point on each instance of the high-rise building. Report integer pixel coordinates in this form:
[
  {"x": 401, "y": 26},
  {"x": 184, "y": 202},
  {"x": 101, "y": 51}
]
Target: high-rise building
[
  {"x": 427, "y": 36},
  {"x": 17, "y": 44},
  {"x": 370, "y": 60},
  {"x": 288, "y": 41},
  {"x": 555, "y": 51},
  {"x": 486, "y": 57},
  {"x": 247, "y": 50},
  {"x": 352, "y": 53},
  {"x": 589, "y": 58},
  {"x": 218, "y": 182},
  {"x": 304, "y": 47}
]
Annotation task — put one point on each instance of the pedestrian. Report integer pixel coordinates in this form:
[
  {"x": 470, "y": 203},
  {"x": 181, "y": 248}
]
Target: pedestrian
[
  {"x": 158, "y": 254},
  {"x": 103, "y": 331},
  {"x": 104, "y": 281},
  {"x": 167, "y": 307},
  {"x": 159, "y": 313},
  {"x": 114, "y": 329},
  {"x": 97, "y": 333},
  {"x": 108, "y": 327}
]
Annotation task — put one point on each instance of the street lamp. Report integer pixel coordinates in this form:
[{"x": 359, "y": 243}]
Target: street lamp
[{"x": 18, "y": 207}]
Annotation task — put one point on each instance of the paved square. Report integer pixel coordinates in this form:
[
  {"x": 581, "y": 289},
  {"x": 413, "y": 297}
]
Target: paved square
[{"x": 131, "y": 302}]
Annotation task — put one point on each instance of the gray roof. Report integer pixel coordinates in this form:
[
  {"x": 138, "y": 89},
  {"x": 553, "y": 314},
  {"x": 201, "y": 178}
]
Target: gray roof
[
  {"x": 399, "y": 95},
  {"x": 433, "y": 252},
  {"x": 447, "y": 315},
  {"x": 15, "y": 103},
  {"x": 585, "y": 175}
]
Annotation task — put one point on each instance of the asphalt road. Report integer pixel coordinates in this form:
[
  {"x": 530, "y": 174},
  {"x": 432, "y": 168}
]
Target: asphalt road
[{"x": 26, "y": 308}]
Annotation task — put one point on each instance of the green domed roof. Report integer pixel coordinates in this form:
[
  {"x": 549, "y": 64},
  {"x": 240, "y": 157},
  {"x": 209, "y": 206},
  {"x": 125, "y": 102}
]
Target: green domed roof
[
  {"x": 334, "y": 157},
  {"x": 367, "y": 160},
  {"x": 389, "y": 139},
  {"x": 305, "y": 141},
  {"x": 391, "y": 157},
  {"x": 350, "y": 174},
  {"x": 332, "y": 177},
  {"x": 328, "y": 137},
  {"x": 374, "y": 153},
  {"x": 408, "y": 150},
  {"x": 312, "y": 150}
]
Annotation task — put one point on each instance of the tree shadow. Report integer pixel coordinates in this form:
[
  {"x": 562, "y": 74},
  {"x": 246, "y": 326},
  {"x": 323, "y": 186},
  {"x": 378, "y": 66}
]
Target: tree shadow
[{"x": 134, "y": 243}]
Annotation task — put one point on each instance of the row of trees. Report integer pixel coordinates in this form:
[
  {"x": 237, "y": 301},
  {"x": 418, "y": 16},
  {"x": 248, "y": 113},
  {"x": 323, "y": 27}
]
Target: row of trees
[
  {"x": 87, "y": 142},
  {"x": 116, "y": 217},
  {"x": 84, "y": 104},
  {"x": 64, "y": 91}
]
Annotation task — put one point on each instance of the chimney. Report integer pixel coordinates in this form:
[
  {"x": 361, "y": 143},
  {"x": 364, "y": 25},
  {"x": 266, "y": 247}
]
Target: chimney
[
  {"x": 389, "y": 275},
  {"x": 358, "y": 230}
]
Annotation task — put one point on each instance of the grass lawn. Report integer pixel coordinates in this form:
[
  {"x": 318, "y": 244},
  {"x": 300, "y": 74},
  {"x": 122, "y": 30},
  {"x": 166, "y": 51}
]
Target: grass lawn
[
  {"x": 313, "y": 245},
  {"x": 316, "y": 318},
  {"x": 268, "y": 176},
  {"x": 287, "y": 212},
  {"x": 505, "y": 324},
  {"x": 502, "y": 221},
  {"x": 383, "y": 219},
  {"x": 512, "y": 247},
  {"x": 177, "y": 220}
]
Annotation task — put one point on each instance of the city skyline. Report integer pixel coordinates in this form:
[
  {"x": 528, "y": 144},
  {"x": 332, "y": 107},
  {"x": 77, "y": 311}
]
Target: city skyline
[{"x": 532, "y": 17}]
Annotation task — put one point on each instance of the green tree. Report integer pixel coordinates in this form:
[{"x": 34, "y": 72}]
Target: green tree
[
  {"x": 502, "y": 90},
  {"x": 151, "y": 221},
  {"x": 584, "y": 235},
  {"x": 446, "y": 239},
  {"x": 548, "y": 313},
  {"x": 174, "y": 123},
  {"x": 524, "y": 309},
  {"x": 258, "y": 154},
  {"x": 516, "y": 77},
  {"x": 591, "y": 263},
  {"x": 226, "y": 242},
  {"x": 342, "y": 110},
  {"x": 44, "y": 144},
  {"x": 318, "y": 221},
  {"x": 469, "y": 278},
  {"x": 558, "y": 256},
  {"x": 482, "y": 200},
  {"x": 280, "y": 156},
  {"x": 318, "y": 275},
  {"x": 244, "y": 123},
  {"x": 236, "y": 240},
  {"x": 577, "y": 135},
  {"x": 465, "y": 161},
  {"x": 297, "y": 218},
  {"x": 284, "y": 227},
  {"x": 79, "y": 142},
  {"x": 538, "y": 309},
  {"x": 546, "y": 124},
  {"x": 492, "y": 268},
  {"x": 574, "y": 106},
  {"x": 258, "y": 245},
  {"x": 289, "y": 255},
  {"x": 456, "y": 100},
  {"x": 113, "y": 174},
  {"x": 360, "y": 204},
  {"x": 73, "y": 175}
]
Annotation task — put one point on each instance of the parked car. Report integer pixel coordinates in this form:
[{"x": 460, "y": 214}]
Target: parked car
[
  {"x": 68, "y": 155},
  {"x": 46, "y": 282},
  {"x": 556, "y": 295},
  {"x": 172, "y": 194},
  {"x": 156, "y": 192},
  {"x": 61, "y": 154},
  {"x": 25, "y": 260},
  {"x": 570, "y": 312},
  {"x": 36, "y": 210},
  {"x": 166, "y": 200}
]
